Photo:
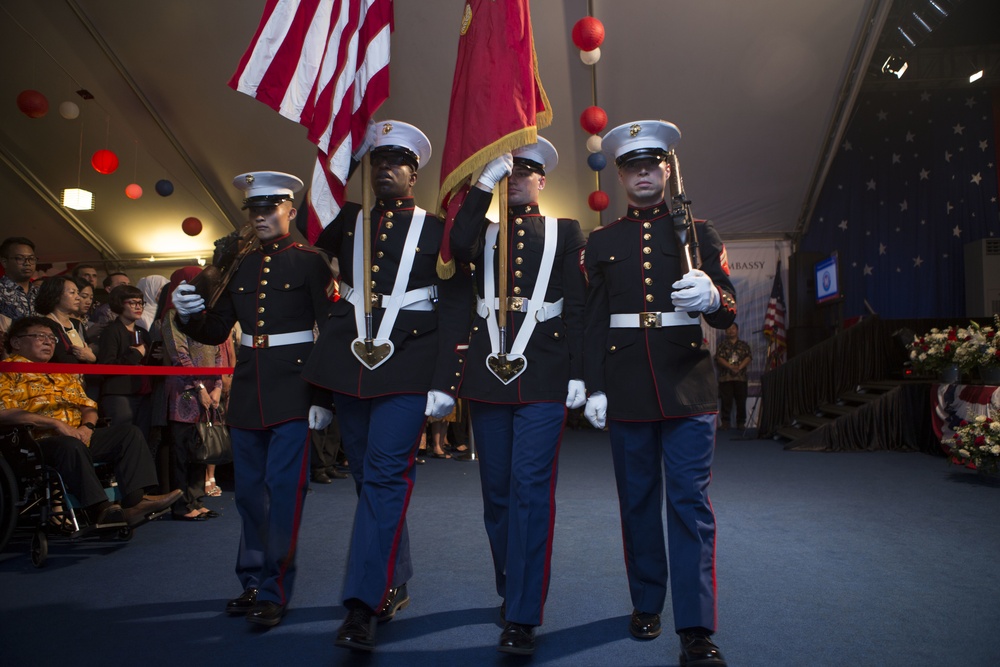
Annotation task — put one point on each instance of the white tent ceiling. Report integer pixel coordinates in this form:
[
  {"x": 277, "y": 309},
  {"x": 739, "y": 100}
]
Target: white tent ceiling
[{"x": 759, "y": 90}]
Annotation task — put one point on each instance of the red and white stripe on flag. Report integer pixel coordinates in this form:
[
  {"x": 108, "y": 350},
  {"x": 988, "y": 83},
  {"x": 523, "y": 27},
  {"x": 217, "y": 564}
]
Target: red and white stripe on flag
[
  {"x": 774, "y": 322},
  {"x": 323, "y": 64}
]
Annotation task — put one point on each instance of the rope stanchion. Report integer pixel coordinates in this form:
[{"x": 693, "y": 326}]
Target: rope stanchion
[{"x": 111, "y": 369}]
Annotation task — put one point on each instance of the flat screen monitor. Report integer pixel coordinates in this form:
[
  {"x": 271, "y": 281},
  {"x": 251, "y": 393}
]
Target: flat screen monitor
[{"x": 827, "y": 279}]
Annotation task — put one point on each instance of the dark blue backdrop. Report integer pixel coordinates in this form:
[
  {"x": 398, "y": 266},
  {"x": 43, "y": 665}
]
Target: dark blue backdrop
[{"x": 914, "y": 181}]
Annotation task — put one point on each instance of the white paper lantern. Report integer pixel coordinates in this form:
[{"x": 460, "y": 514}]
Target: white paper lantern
[
  {"x": 594, "y": 144},
  {"x": 69, "y": 110},
  {"x": 590, "y": 57}
]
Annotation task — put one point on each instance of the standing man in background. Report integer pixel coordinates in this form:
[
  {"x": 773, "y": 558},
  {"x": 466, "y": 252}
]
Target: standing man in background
[
  {"x": 277, "y": 293},
  {"x": 733, "y": 357},
  {"x": 652, "y": 382},
  {"x": 518, "y": 421}
]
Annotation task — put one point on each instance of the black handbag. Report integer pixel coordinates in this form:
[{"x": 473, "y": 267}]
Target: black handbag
[{"x": 213, "y": 445}]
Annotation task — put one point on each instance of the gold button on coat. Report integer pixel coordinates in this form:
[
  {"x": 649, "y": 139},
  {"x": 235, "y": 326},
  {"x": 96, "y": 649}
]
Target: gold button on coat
[
  {"x": 647, "y": 250},
  {"x": 649, "y": 297}
]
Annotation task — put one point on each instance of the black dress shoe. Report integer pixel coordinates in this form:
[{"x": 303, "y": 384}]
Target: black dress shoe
[
  {"x": 517, "y": 639},
  {"x": 697, "y": 650},
  {"x": 333, "y": 472},
  {"x": 243, "y": 603},
  {"x": 266, "y": 613},
  {"x": 320, "y": 477},
  {"x": 397, "y": 600},
  {"x": 644, "y": 626},
  {"x": 211, "y": 514},
  {"x": 358, "y": 630},
  {"x": 185, "y": 517}
]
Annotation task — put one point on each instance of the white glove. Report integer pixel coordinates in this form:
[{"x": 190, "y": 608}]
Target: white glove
[
  {"x": 596, "y": 411},
  {"x": 576, "y": 394},
  {"x": 319, "y": 417},
  {"x": 439, "y": 404},
  {"x": 696, "y": 293},
  {"x": 187, "y": 301},
  {"x": 366, "y": 144},
  {"x": 495, "y": 170}
]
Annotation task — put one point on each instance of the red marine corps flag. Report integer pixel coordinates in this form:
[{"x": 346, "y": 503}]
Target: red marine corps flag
[
  {"x": 774, "y": 323},
  {"x": 323, "y": 64},
  {"x": 497, "y": 101}
]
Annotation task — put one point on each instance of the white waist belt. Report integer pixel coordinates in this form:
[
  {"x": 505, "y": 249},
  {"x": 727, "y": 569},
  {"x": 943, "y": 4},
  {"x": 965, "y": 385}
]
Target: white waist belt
[
  {"x": 276, "y": 340},
  {"x": 651, "y": 320},
  {"x": 422, "y": 298},
  {"x": 518, "y": 304}
]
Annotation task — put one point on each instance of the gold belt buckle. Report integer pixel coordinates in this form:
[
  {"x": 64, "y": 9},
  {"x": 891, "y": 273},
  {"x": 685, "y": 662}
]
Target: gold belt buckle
[
  {"x": 260, "y": 341},
  {"x": 377, "y": 300},
  {"x": 649, "y": 320},
  {"x": 515, "y": 303}
]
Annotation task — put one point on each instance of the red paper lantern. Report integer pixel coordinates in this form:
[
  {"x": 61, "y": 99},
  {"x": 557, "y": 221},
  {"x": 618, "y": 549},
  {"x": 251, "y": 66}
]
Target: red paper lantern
[
  {"x": 104, "y": 161},
  {"x": 191, "y": 226},
  {"x": 32, "y": 103},
  {"x": 133, "y": 191},
  {"x": 593, "y": 119},
  {"x": 598, "y": 200},
  {"x": 588, "y": 33}
]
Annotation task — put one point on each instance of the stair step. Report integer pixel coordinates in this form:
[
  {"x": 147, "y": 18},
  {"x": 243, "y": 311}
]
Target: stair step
[
  {"x": 878, "y": 386},
  {"x": 791, "y": 433},
  {"x": 855, "y": 397},
  {"x": 813, "y": 420},
  {"x": 834, "y": 409}
]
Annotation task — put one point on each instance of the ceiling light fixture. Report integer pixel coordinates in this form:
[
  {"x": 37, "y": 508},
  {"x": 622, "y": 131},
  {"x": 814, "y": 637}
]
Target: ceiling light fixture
[
  {"x": 976, "y": 77},
  {"x": 894, "y": 65}
]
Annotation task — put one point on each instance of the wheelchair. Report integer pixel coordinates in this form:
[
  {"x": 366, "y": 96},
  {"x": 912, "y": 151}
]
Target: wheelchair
[{"x": 34, "y": 498}]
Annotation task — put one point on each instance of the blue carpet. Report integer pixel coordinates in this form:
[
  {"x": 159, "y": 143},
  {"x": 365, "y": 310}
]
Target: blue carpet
[{"x": 879, "y": 558}]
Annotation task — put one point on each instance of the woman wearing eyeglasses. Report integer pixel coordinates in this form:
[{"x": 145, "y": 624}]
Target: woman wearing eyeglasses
[
  {"x": 125, "y": 398},
  {"x": 59, "y": 300}
]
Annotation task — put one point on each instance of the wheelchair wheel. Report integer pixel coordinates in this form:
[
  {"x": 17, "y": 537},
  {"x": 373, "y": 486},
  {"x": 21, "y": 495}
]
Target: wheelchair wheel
[
  {"x": 39, "y": 548},
  {"x": 8, "y": 502},
  {"x": 125, "y": 533}
]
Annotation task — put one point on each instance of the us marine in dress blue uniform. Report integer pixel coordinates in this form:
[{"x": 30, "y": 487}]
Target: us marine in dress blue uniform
[
  {"x": 382, "y": 404},
  {"x": 652, "y": 380},
  {"x": 276, "y": 294},
  {"x": 518, "y": 421}
]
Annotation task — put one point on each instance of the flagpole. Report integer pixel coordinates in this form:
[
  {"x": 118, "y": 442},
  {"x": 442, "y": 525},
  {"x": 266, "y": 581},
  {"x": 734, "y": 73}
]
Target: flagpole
[
  {"x": 366, "y": 234},
  {"x": 502, "y": 251}
]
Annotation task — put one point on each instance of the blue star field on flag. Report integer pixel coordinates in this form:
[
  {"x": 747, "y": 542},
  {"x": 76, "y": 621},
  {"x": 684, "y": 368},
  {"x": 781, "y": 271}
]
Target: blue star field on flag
[{"x": 914, "y": 181}]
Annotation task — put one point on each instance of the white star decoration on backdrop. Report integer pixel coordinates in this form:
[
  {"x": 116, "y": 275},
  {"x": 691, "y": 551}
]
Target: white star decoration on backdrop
[{"x": 937, "y": 134}]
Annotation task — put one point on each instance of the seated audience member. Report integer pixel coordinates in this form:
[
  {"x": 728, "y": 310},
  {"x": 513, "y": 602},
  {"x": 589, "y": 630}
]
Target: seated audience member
[
  {"x": 63, "y": 420},
  {"x": 102, "y": 314},
  {"x": 189, "y": 399},
  {"x": 87, "y": 273},
  {"x": 125, "y": 399},
  {"x": 59, "y": 301},
  {"x": 151, "y": 287},
  {"x": 17, "y": 292},
  {"x": 86, "y": 291}
]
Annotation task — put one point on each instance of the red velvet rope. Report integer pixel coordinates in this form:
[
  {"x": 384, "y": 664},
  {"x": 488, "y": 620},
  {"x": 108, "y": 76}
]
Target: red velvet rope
[{"x": 111, "y": 369}]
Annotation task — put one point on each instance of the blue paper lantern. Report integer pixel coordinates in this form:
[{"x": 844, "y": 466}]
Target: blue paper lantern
[
  {"x": 164, "y": 188},
  {"x": 597, "y": 161}
]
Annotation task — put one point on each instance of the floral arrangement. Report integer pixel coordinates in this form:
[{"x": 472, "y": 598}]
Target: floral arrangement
[
  {"x": 978, "y": 442},
  {"x": 978, "y": 346},
  {"x": 935, "y": 351}
]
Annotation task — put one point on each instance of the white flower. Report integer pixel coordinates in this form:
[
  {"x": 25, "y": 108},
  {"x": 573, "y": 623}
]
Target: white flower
[
  {"x": 964, "y": 453},
  {"x": 995, "y": 450}
]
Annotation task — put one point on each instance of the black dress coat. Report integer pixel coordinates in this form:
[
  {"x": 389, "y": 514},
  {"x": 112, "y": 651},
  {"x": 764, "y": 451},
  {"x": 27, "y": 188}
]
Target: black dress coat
[
  {"x": 280, "y": 288},
  {"x": 425, "y": 342},
  {"x": 554, "y": 353},
  {"x": 658, "y": 373}
]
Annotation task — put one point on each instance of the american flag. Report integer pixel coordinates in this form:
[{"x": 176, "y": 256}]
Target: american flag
[
  {"x": 774, "y": 323},
  {"x": 323, "y": 64},
  {"x": 914, "y": 181}
]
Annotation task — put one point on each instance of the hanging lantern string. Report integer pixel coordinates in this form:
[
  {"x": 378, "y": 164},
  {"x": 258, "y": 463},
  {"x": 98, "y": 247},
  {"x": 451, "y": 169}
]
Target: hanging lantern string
[
  {"x": 593, "y": 98},
  {"x": 135, "y": 162},
  {"x": 107, "y": 132},
  {"x": 79, "y": 163}
]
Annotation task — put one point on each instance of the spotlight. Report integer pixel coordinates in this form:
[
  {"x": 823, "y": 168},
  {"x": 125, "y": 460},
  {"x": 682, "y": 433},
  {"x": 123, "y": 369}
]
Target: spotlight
[
  {"x": 909, "y": 40},
  {"x": 894, "y": 65},
  {"x": 976, "y": 77},
  {"x": 923, "y": 23},
  {"x": 938, "y": 8}
]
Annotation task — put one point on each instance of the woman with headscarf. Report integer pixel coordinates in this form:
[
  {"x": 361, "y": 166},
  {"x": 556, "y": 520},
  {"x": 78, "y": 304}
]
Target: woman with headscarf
[
  {"x": 189, "y": 399},
  {"x": 150, "y": 286}
]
